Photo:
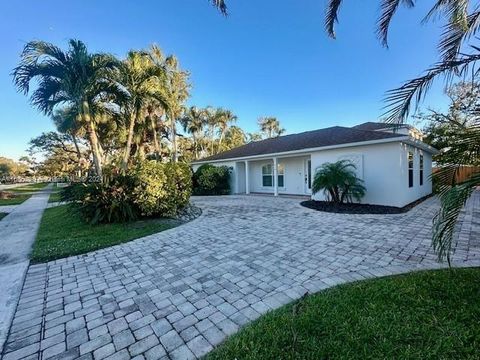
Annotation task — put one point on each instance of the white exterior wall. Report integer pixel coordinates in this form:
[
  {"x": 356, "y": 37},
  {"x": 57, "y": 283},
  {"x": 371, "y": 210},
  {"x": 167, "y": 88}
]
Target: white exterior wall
[
  {"x": 294, "y": 180},
  {"x": 384, "y": 169}
]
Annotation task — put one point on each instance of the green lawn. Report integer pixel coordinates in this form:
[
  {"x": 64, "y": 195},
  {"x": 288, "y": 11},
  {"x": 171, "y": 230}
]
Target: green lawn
[
  {"x": 28, "y": 188},
  {"x": 20, "y": 198},
  {"x": 423, "y": 315},
  {"x": 2, "y": 215},
  {"x": 62, "y": 233},
  {"x": 54, "y": 197}
]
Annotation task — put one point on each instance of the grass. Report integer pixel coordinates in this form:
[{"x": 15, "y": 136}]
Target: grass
[
  {"x": 2, "y": 215},
  {"x": 28, "y": 188},
  {"x": 422, "y": 315},
  {"x": 54, "y": 197},
  {"x": 20, "y": 198},
  {"x": 62, "y": 233}
]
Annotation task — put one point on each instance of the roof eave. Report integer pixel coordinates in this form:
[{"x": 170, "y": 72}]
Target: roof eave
[{"x": 307, "y": 150}]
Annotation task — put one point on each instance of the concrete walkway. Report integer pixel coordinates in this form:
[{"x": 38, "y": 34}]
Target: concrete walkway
[
  {"x": 179, "y": 293},
  {"x": 17, "y": 234}
]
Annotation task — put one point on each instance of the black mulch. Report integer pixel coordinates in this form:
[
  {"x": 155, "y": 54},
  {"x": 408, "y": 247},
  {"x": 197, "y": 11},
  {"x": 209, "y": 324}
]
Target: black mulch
[{"x": 359, "y": 208}]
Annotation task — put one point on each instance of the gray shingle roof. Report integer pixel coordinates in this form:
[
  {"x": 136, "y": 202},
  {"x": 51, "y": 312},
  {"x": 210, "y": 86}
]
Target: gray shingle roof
[
  {"x": 372, "y": 126},
  {"x": 336, "y": 135}
]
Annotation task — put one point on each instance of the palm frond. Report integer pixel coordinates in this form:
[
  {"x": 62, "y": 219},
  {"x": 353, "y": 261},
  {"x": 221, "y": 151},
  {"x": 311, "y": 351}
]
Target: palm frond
[
  {"x": 220, "y": 5},
  {"x": 400, "y": 100},
  {"x": 453, "y": 36},
  {"x": 445, "y": 220},
  {"x": 455, "y": 10},
  {"x": 331, "y": 17},
  {"x": 388, "y": 9}
]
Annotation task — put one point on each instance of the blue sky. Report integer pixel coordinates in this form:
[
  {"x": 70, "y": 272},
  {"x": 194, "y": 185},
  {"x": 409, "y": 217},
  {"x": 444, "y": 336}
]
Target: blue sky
[{"x": 267, "y": 58}]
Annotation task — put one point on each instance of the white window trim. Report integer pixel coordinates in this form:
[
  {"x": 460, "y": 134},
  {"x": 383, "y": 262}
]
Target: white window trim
[{"x": 283, "y": 188}]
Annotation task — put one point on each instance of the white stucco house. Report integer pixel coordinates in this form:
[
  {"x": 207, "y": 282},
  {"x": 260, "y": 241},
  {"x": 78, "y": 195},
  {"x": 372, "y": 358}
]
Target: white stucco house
[{"x": 393, "y": 162}]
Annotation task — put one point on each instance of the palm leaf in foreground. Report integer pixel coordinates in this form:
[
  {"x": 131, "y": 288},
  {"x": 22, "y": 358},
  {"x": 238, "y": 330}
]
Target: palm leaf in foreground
[{"x": 444, "y": 222}]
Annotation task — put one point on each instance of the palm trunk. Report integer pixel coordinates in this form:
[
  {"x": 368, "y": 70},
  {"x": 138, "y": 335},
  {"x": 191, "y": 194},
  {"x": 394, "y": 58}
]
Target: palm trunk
[
  {"x": 97, "y": 161},
  {"x": 126, "y": 154},
  {"x": 222, "y": 134},
  {"x": 195, "y": 150},
  {"x": 92, "y": 136},
  {"x": 155, "y": 138},
  {"x": 174, "y": 137},
  {"x": 79, "y": 155}
]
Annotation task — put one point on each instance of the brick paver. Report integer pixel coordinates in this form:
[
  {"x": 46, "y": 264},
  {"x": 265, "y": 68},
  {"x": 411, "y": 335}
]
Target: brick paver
[{"x": 179, "y": 293}]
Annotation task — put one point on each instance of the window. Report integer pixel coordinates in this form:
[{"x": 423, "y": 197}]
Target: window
[
  {"x": 281, "y": 175},
  {"x": 410, "y": 169},
  {"x": 421, "y": 169},
  {"x": 267, "y": 175}
]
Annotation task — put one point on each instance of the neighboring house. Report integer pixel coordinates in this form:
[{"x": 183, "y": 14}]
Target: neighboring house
[{"x": 393, "y": 162}]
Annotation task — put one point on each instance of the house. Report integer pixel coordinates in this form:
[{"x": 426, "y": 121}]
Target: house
[{"x": 392, "y": 160}]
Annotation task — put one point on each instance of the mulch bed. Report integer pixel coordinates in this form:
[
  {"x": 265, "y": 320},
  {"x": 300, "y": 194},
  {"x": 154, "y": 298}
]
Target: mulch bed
[{"x": 359, "y": 208}]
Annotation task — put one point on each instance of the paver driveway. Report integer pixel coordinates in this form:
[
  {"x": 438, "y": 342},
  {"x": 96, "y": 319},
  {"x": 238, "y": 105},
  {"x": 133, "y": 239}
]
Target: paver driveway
[{"x": 178, "y": 293}]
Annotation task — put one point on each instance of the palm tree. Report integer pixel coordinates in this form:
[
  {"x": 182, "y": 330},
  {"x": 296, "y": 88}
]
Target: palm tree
[
  {"x": 65, "y": 120},
  {"x": 224, "y": 119},
  {"x": 143, "y": 82},
  {"x": 193, "y": 122},
  {"x": 211, "y": 121},
  {"x": 175, "y": 94},
  {"x": 73, "y": 78},
  {"x": 339, "y": 182},
  {"x": 270, "y": 126}
]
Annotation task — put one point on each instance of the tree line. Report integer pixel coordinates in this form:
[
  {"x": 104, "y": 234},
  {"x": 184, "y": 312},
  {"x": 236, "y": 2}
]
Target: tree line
[{"x": 110, "y": 112}]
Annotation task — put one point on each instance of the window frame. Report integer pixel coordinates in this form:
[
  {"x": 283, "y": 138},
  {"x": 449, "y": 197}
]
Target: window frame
[
  {"x": 266, "y": 175},
  {"x": 421, "y": 168},
  {"x": 410, "y": 168},
  {"x": 280, "y": 173}
]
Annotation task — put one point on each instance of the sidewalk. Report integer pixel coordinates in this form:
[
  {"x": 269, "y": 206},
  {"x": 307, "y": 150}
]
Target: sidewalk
[{"x": 17, "y": 234}]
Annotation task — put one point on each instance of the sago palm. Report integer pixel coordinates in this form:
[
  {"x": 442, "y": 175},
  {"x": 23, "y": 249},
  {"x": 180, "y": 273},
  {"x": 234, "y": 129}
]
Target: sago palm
[{"x": 74, "y": 78}]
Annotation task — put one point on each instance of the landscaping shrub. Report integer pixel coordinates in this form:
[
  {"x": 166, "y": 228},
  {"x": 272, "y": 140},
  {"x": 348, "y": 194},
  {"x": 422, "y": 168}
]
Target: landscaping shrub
[
  {"x": 161, "y": 189},
  {"x": 339, "y": 182},
  {"x": 106, "y": 202},
  {"x": 211, "y": 180},
  {"x": 150, "y": 189}
]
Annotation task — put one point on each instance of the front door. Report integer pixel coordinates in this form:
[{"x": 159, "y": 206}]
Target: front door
[{"x": 307, "y": 173}]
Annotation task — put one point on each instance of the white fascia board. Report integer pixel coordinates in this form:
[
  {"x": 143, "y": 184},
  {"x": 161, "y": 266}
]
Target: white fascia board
[
  {"x": 307, "y": 151},
  {"x": 421, "y": 145}
]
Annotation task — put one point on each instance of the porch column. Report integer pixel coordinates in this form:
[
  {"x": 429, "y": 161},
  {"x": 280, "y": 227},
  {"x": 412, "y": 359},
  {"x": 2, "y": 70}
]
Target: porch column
[
  {"x": 247, "y": 179},
  {"x": 275, "y": 176}
]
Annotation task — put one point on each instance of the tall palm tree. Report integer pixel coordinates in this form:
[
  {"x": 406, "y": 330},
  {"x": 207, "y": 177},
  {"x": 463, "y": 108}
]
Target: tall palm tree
[
  {"x": 224, "y": 119},
  {"x": 73, "y": 78},
  {"x": 193, "y": 122},
  {"x": 211, "y": 121},
  {"x": 175, "y": 93},
  {"x": 65, "y": 120},
  {"x": 143, "y": 82},
  {"x": 270, "y": 126}
]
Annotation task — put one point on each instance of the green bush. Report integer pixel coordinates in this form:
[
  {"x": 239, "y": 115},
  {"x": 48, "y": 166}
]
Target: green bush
[
  {"x": 339, "y": 182},
  {"x": 106, "y": 202},
  {"x": 161, "y": 189},
  {"x": 211, "y": 180},
  {"x": 150, "y": 189}
]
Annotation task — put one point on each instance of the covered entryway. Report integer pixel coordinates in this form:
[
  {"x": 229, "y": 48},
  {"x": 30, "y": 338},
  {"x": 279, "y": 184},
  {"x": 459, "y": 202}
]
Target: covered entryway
[{"x": 277, "y": 175}]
